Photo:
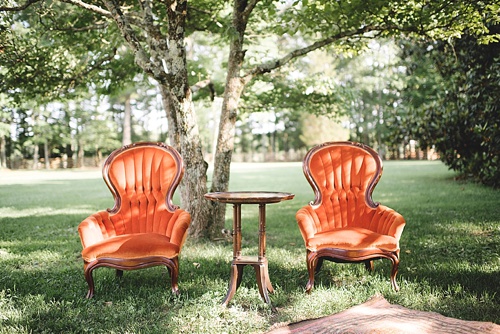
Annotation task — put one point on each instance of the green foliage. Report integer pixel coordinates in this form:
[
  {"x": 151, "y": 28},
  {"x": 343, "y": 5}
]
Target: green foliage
[
  {"x": 52, "y": 48},
  {"x": 316, "y": 94},
  {"x": 207, "y": 15},
  {"x": 439, "y": 20},
  {"x": 456, "y": 104}
]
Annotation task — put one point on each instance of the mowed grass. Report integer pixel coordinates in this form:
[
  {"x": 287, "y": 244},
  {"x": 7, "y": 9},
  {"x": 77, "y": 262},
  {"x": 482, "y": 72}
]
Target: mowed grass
[{"x": 450, "y": 257}]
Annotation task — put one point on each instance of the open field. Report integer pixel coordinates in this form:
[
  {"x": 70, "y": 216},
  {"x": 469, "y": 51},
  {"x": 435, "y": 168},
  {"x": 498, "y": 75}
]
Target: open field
[{"x": 450, "y": 257}]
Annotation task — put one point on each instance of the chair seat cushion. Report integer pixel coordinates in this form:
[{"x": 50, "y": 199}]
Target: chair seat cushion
[
  {"x": 132, "y": 246},
  {"x": 352, "y": 238}
]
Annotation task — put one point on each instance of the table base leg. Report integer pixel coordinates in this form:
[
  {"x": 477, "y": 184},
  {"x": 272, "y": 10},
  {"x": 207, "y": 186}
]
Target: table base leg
[{"x": 263, "y": 281}]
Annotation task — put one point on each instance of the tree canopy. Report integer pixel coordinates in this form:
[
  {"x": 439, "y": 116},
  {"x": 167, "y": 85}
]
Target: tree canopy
[{"x": 64, "y": 44}]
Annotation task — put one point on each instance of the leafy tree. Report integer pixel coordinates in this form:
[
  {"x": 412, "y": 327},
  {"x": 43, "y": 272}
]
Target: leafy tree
[
  {"x": 100, "y": 137},
  {"x": 50, "y": 54},
  {"x": 155, "y": 33},
  {"x": 371, "y": 83},
  {"x": 453, "y": 94},
  {"x": 319, "y": 129},
  {"x": 43, "y": 57}
]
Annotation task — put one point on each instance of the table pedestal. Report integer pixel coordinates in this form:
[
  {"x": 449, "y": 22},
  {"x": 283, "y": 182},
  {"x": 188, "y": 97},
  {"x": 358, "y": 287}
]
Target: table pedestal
[{"x": 259, "y": 263}]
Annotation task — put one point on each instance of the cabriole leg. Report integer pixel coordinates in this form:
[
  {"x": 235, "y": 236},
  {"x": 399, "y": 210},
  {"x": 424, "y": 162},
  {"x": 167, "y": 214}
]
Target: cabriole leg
[
  {"x": 90, "y": 280},
  {"x": 394, "y": 272},
  {"x": 312, "y": 261},
  {"x": 369, "y": 265}
]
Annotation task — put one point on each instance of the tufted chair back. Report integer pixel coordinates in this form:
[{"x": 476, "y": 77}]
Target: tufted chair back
[
  {"x": 143, "y": 179},
  {"x": 343, "y": 176}
]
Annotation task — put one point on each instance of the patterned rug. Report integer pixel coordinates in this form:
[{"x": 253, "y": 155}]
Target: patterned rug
[{"x": 378, "y": 316}]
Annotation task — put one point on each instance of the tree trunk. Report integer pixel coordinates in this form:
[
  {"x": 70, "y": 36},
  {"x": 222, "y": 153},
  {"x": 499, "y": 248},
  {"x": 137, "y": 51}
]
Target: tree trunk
[
  {"x": 127, "y": 122},
  {"x": 164, "y": 59},
  {"x": 46, "y": 154},
  {"x": 232, "y": 93},
  {"x": 98, "y": 156},
  {"x": 81, "y": 156},
  {"x": 3, "y": 153},
  {"x": 173, "y": 127},
  {"x": 35, "y": 156},
  {"x": 182, "y": 117},
  {"x": 70, "y": 163},
  {"x": 186, "y": 139}
]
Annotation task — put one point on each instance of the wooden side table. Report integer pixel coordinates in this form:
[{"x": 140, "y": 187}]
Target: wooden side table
[{"x": 259, "y": 263}]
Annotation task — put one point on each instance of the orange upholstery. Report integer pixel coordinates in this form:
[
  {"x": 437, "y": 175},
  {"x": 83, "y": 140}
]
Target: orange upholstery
[
  {"x": 343, "y": 224},
  {"x": 144, "y": 228}
]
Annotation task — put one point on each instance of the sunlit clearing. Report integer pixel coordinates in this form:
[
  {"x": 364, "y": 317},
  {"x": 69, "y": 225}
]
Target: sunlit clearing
[{"x": 9, "y": 212}]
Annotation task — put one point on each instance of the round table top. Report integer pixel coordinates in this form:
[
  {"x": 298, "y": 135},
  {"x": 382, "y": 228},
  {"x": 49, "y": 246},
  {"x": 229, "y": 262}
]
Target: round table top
[{"x": 249, "y": 197}]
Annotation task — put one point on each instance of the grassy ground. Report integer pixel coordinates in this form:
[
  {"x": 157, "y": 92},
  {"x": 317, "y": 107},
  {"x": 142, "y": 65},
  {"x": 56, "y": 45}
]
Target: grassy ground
[{"x": 450, "y": 258}]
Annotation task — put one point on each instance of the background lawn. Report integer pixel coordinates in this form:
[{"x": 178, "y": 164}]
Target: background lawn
[{"x": 450, "y": 257}]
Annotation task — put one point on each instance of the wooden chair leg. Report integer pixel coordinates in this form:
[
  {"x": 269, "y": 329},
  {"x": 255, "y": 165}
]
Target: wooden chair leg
[
  {"x": 369, "y": 265},
  {"x": 174, "y": 276},
  {"x": 394, "y": 272},
  {"x": 312, "y": 262},
  {"x": 90, "y": 280}
]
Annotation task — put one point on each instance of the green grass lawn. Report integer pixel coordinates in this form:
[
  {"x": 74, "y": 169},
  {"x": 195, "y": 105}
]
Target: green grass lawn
[{"x": 450, "y": 257}]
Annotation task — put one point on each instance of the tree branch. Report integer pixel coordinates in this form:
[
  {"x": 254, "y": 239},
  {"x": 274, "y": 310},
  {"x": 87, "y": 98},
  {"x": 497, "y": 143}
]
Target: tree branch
[
  {"x": 92, "y": 8},
  {"x": 141, "y": 56},
  {"x": 98, "y": 65},
  {"x": 154, "y": 38},
  {"x": 95, "y": 26},
  {"x": 18, "y": 8},
  {"x": 202, "y": 84},
  {"x": 277, "y": 63},
  {"x": 249, "y": 8},
  {"x": 157, "y": 43}
]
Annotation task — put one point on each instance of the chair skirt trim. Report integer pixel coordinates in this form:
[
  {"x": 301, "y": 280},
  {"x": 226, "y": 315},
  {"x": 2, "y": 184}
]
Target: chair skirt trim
[
  {"x": 315, "y": 259},
  {"x": 172, "y": 265}
]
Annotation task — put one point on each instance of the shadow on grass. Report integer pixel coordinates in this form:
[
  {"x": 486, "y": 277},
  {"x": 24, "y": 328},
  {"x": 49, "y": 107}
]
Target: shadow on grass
[{"x": 449, "y": 261}]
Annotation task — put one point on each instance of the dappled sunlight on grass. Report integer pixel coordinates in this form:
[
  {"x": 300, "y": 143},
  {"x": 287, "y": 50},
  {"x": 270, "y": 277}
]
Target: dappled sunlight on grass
[
  {"x": 41, "y": 176},
  {"x": 332, "y": 301},
  {"x": 34, "y": 261},
  {"x": 206, "y": 315},
  {"x": 10, "y": 212},
  {"x": 9, "y": 311}
]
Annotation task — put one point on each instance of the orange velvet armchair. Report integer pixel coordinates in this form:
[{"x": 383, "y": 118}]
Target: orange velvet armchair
[
  {"x": 144, "y": 228},
  {"x": 343, "y": 224}
]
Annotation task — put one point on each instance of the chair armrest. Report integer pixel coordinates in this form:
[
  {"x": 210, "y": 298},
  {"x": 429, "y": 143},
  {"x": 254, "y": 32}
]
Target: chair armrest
[
  {"x": 90, "y": 228},
  {"x": 388, "y": 222},
  {"x": 180, "y": 227},
  {"x": 307, "y": 219}
]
